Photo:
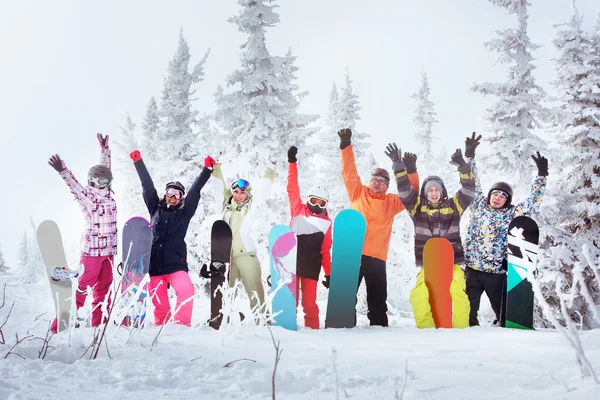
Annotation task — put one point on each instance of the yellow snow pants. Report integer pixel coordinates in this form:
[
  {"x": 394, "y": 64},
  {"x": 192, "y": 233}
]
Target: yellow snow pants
[
  {"x": 419, "y": 300},
  {"x": 246, "y": 268}
]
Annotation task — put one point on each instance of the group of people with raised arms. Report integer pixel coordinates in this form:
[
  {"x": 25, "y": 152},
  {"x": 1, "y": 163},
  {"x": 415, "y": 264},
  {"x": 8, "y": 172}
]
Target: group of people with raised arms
[{"x": 433, "y": 212}]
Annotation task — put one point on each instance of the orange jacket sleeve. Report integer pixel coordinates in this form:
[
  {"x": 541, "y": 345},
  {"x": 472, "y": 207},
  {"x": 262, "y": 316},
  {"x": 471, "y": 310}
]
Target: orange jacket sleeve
[
  {"x": 350, "y": 174},
  {"x": 414, "y": 182},
  {"x": 293, "y": 190},
  {"x": 326, "y": 252}
]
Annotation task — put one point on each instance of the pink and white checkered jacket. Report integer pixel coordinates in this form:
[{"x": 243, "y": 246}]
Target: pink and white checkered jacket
[{"x": 100, "y": 212}]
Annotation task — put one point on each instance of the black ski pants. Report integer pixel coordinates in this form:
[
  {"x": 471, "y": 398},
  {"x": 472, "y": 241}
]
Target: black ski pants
[
  {"x": 373, "y": 271},
  {"x": 494, "y": 286}
]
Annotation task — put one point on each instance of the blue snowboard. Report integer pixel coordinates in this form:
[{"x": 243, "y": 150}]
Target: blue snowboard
[
  {"x": 282, "y": 253},
  {"x": 349, "y": 230}
]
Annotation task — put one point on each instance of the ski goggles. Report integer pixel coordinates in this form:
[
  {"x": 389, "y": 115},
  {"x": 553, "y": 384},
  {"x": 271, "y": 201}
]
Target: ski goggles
[
  {"x": 171, "y": 192},
  {"x": 317, "y": 201},
  {"x": 241, "y": 184},
  {"x": 501, "y": 193},
  {"x": 100, "y": 182}
]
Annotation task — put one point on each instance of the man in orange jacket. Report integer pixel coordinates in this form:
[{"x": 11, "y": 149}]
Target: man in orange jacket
[{"x": 379, "y": 209}]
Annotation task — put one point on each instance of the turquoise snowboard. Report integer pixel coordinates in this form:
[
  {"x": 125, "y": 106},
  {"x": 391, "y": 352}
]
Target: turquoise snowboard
[
  {"x": 349, "y": 230},
  {"x": 282, "y": 253}
]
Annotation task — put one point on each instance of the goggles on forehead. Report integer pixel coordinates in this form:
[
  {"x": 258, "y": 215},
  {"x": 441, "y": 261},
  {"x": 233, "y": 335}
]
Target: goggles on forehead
[
  {"x": 101, "y": 182},
  {"x": 241, "y": 184},
  {"x": 171, "y": 192},
  {"x": 317, "y": 201},
  {"x": 501, "y": 193}
]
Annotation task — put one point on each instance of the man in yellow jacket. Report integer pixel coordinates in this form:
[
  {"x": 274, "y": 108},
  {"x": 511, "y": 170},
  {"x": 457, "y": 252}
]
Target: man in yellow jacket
[{"x": 379, "y": 209}]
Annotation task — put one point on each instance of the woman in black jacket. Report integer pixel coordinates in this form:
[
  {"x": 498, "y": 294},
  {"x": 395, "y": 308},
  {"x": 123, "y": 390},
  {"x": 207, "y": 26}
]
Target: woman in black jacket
[{"x": 170, "y": 216}]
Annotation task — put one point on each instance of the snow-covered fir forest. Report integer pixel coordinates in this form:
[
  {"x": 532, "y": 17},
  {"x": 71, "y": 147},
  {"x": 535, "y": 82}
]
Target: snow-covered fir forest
[{"x": 258, "y": 117}]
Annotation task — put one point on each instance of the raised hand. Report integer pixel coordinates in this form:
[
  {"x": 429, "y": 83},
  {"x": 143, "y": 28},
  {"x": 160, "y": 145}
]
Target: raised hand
[
  {"x": 135, "y": 155},
  {"x": 542, "y": 164},
  {"x": 457, "y": 158},
  {"x": 209, "y": 162},
  {"x": 395, "y": 154},
  {"x": 56, "y": 163},
  {"x": 345, "y": 138},
  {"x": 292, "y": 153},
  {"x": 471, "y": 144},
  {"x": 410, "y": 160},
  {"x": 102, "y": 140}
]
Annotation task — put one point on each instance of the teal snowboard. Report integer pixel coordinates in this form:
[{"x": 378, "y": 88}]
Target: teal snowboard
[
  {"x": 282, "y": 253},
  {"x": 349, "y": 230}
]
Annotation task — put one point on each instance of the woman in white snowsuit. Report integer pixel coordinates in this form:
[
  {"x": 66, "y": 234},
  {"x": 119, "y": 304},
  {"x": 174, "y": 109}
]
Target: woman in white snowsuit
[
  {"x": 240, "y": 207},
  {"x": 487, "y": 236},
  {"x": 99, "y": 239}
]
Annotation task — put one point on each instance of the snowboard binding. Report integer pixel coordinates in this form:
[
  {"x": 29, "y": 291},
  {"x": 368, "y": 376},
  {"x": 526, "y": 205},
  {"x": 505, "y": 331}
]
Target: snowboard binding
[
  {"x": 217, "y": 268},
  {"x": 63, "y": 274}
]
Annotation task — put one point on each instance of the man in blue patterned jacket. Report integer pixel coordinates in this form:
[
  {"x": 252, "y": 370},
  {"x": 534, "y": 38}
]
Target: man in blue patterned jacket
[{"x": 487, "y": 236}]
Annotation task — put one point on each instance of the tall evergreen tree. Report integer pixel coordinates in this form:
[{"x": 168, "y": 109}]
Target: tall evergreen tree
[
  {"x": 425, "y": 118},
  {"x": 518, "y": 109},
  {"x": 150, "y": 128},
  {"x": 577, "y": 125}
]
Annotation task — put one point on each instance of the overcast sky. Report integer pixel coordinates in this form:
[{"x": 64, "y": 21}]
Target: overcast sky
[{"x": 70, "y": 69}]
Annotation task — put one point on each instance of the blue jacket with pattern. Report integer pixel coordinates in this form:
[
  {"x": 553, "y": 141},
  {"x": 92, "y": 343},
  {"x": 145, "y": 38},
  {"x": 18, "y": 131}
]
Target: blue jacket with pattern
[{"x": 487, "y": 236}]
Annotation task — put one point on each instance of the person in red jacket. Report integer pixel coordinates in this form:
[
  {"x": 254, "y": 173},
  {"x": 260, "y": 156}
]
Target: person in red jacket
[{"x": 312, "y": 225}]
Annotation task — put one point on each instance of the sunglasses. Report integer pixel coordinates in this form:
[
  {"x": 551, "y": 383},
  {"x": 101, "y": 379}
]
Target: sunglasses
[
  {"x": 501, "y": 193},
  {"x": 316, "y": 201},
  {"x": 380, "y": 181},
  {"x": 101, "y": 182},
  {"x": 241, "y": 184},
  {"x": 173, "y": 193}
]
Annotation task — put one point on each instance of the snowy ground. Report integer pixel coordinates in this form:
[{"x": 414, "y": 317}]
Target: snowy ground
[{"x": 371, "y": 363}]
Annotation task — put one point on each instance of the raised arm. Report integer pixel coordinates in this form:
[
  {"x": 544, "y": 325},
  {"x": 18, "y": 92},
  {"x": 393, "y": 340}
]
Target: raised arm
[
  {"x": 349, "y": 172},
  {"x": 148, "y": 190},
  {"x": 78, "y": 190},
  {"x": 293, "y": 188},
  {"x": 220, "y": 190},
  {"x": 407, "y": 194},
  {"x": 259, "y": 199},
  {"x": 533, "y": 201},
  {"x": 193, "y": 197},
  {"x": 466, "y": 193},
  {"x": 471, "y": 144}
]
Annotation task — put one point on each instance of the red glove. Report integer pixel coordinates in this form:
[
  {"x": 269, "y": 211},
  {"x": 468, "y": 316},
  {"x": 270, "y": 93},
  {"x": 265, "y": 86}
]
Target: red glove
[
  {"x": 209, "y": 162},
  {"x": 135, "y": 155},
  {"x": 103, "y": 140}
]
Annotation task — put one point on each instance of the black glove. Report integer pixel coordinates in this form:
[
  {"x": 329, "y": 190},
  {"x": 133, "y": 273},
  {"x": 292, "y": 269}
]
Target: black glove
[
  {"x": 542, "y": 164},
  {"x": 326, "y": 281},
  {"x": 345, "y": 136},
  {"x": 471, "y": 144},
  {"x": 292, "y": 152},
  {"x": 56, "y": 163},
  {"x": 395, "y": 154},
  {"x": 457, "y": 158},
  {"x": 410, "y": 160}
]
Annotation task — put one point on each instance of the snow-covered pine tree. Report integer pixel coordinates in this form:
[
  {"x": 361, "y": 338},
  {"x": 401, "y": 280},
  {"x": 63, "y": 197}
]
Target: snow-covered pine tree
[
  {"x": 260, "y": 114},
  {"x": 3, "y": 266},
  {"x": 150, "y": 127},
  {"x": 349, "y": 107},
  {"x": 31, "y": 264},
  {"x": 179, "y": 150},
  {"x": 23, "y": 254},
  {"x": 577, "y": 126},
  {"x": 126, "y": 181},
  {"x": 425, "y": 118},
  {"x": 518, "y": 109}
]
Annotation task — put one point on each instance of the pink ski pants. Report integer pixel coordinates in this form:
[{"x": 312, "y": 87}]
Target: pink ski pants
[{"x": 184, "y": 290}]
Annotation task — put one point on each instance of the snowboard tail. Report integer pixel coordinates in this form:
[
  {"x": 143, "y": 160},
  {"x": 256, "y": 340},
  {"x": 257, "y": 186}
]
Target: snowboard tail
[
  {"x": 349, "y": 229},
  {"x": 218, "y": 269}
]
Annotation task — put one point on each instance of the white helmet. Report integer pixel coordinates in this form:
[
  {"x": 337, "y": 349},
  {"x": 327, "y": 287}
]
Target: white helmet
[{"x": 320, "y": 192}]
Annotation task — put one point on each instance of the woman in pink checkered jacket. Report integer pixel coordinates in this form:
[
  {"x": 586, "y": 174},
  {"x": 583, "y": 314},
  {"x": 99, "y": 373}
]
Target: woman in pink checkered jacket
[{"x": 99, "y": 239}]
